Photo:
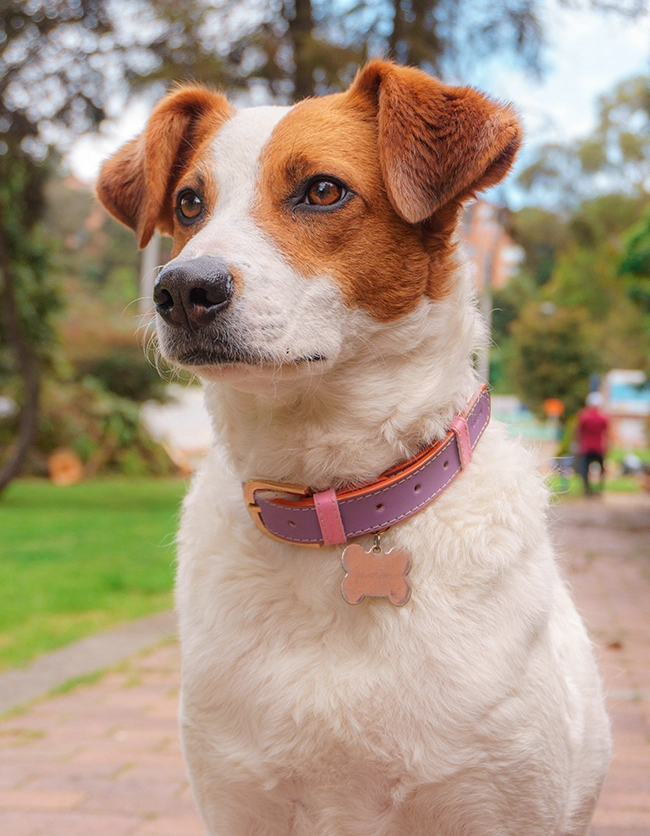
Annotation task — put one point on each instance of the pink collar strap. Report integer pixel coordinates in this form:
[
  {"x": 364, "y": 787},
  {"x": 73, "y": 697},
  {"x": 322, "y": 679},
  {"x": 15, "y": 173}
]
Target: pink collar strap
[{"x": 327, "y": 518}]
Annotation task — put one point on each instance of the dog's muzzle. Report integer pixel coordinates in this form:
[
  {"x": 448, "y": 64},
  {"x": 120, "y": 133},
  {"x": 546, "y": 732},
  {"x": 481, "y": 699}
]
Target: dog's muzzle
[{"x": 191, "y": 294}]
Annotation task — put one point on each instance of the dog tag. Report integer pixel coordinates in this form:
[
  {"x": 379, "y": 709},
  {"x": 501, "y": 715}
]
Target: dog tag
[{"x": 376, "y": 574}]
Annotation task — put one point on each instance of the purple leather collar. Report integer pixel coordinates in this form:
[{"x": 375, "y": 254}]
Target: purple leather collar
[{"x": 330, "y": 517}]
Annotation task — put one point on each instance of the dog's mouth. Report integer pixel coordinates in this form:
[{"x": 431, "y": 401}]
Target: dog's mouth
[
  {"x": 230, "y": 357},
  {"x": 218, "y": 351},
  {"x": 197, "y": 353}
]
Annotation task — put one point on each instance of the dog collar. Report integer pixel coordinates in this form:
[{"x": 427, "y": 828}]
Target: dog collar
[{"x": 327, "y": 518}]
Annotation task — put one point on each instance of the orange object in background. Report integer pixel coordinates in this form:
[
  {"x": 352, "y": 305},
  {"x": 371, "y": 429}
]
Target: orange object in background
[
  {"x": 65, "y": 467},
  {"x": 553, "y": 407}
]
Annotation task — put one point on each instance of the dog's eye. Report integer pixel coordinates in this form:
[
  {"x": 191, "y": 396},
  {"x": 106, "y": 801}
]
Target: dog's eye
[
  {"x": 188, "y": 205},
  {"x": 324, "y": 193}
]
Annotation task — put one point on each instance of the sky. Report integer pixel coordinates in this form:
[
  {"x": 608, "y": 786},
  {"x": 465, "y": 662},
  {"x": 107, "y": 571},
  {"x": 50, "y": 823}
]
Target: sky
[{"x": 588, "y": 54}]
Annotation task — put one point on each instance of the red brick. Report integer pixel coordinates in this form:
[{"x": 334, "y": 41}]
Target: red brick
[
  {"x": 187, "y": 826},
  {"x": 17, "y": 824},
  {"x": 621, "y": 817},
  {"x": 39, "y": 800}
]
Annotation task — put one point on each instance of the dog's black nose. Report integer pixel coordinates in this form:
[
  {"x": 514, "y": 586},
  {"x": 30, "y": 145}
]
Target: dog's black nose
[{"x": 191, "y": 293}]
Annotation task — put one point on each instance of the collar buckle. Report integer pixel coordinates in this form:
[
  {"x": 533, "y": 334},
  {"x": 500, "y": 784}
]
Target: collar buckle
[{"x": 250, "y": 489}]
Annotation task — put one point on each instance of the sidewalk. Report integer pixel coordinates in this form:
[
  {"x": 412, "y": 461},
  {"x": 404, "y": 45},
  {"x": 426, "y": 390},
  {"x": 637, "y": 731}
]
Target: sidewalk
[
  {"x": 607, "y": 548},
  {"x": 104, "y": 759}
]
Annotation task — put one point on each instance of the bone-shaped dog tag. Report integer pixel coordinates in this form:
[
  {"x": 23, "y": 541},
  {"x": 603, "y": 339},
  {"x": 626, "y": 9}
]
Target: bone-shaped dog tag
[{"x": 376, "y": 574}]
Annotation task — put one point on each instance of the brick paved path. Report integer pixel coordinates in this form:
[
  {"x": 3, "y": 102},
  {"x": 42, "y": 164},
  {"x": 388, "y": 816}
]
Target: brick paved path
[
  {"x": 104, "y": 759},
  {"x": 607, "y": 549}
]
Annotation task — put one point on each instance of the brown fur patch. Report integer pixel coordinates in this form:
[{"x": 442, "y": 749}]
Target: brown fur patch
[
  {"x": 377, "y": 258},
  {"x": 412, "y": 150},
  {"x": 137, "y": 184}
]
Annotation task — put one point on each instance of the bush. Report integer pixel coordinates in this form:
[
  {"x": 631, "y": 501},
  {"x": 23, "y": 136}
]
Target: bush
[
  {"x": 125, "y": 371},
  {"x": 103, "y": 428}
]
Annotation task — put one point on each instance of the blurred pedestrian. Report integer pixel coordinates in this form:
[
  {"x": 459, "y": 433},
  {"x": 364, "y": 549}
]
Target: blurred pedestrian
[{"x": 592, "y": 431}]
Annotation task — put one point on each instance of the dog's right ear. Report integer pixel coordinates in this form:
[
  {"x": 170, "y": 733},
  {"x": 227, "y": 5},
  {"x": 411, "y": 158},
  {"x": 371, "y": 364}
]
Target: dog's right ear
[{"x": 136, "y": 183}]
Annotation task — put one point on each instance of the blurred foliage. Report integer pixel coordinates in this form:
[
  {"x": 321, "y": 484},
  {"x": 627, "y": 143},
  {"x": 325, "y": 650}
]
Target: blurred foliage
[
  {"x": 635, "y": 262},
  {"x": 507, "y": 304},
  {"x": 587, "y": 259},
  {"x": 297, "y": 48},
  {"x": 97, "y": 370},
  {"x": 61, "y": 63},
  {"x": 125, "y": 371},
  {"x": 586, "y": 250},
  {"x": 103, "y": 428},
  {"x": 614, "y": 159},
  {"x": 21, "y": 207},
  {"x": 556, "y": 353},
  {"x": 541, "y": 234},
  {"x": 103, "y": 372}
]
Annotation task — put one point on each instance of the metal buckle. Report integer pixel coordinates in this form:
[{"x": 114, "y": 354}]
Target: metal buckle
[{"x": 255, "y": 511}]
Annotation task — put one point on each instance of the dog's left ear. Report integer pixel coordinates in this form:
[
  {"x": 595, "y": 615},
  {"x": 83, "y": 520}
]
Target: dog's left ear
[{"x": 436, "y": 143}]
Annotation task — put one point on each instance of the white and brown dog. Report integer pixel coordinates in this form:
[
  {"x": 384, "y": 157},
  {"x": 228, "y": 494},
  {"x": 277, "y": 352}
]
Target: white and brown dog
[{"x": 317, "y": 289}]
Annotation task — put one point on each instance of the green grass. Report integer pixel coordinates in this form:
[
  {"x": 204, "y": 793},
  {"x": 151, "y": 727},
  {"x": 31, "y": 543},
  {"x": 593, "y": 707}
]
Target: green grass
[
  {"x": 618, "y": 453},
  {"x": 81, "y": 559},
  {"x": 563, "y": 488}
]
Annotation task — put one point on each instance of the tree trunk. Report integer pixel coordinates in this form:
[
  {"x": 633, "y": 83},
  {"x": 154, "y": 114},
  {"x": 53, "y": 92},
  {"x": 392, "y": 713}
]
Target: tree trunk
[
  {"x": 414, "y": 39},
  {"x": 301, "y": 27},
  {"x": 397, "y": 35},
  {"x": 28, "y": 368},
  {"x": 425, "y": 44}
]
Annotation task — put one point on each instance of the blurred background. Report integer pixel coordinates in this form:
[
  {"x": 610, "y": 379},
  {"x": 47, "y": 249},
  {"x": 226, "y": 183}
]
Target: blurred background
[{"x": 97, "y": 435}]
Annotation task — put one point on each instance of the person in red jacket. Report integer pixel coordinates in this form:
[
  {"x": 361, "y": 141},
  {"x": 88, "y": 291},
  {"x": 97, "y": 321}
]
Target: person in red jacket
[{"x": 592, "y": 429}]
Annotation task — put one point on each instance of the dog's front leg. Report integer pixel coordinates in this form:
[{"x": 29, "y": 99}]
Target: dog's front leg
[
  {"x": 230, "y": 802},
  {"x": 239, "y": 808}
]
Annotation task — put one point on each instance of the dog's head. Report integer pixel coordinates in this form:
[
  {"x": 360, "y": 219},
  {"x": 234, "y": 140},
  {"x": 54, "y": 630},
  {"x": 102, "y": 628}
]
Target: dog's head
[{"x": 291, "y": 226}]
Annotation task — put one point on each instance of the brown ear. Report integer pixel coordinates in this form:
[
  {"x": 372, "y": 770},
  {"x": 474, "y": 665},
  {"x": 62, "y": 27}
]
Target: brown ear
[
  {"x": 436, "y": 143},
  {"x": 136, "y": 183}
]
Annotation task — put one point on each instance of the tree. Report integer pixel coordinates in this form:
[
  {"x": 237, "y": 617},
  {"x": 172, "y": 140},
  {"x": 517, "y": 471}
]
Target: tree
[
  {"x": 30, "y": 99},
  {"x": 298, "y": 48},
  {"x": 555, "y": 356},
  {"x": 614, "y": 158},
  {"x": 27, "y": 299},
  {"x": 61, "y": 61},
  {"x": 302, "y": 47},
  {"x": 541, "y": 234},
  {"x": 634, "y": 264},
  {"x": 573, "y": 261}
]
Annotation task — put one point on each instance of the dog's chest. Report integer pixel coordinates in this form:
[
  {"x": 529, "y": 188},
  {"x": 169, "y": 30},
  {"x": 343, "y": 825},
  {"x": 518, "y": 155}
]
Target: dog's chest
[{"x": 267, "y": 637}]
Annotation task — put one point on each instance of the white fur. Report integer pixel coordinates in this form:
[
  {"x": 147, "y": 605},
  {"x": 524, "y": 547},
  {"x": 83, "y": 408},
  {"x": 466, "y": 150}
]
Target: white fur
[
  {"x": 278, "y": 313},
  {"x": 476, "y": 709}
]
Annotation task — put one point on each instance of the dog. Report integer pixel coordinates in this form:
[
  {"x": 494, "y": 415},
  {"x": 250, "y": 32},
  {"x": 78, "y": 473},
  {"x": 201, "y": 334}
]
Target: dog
[{"x": 376, "y": 640}]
